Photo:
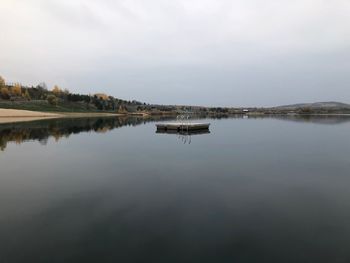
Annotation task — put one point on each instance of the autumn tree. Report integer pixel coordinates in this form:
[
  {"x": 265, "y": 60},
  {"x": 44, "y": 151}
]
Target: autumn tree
[
  {"x": 56, "y": 90},
  {"x": 5, "y": 93},
  {"x": 102, "y": 96},
  {"x": 16, "y": 90},
  {"x": 2, "y": 82}
]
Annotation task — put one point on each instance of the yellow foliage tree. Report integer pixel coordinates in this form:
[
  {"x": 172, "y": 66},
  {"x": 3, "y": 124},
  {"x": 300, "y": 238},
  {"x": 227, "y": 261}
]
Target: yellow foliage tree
[
  {"x": 101, "y": 96},
  {"x": 16, "y": 90},
  {"x": 57, "y": 90},
  {"x": 2, "y": 82},
  {"x": 5, "y": 93}
]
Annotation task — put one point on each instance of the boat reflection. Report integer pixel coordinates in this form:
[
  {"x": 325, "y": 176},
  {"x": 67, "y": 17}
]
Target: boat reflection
[{"x": 184, "y": 136}]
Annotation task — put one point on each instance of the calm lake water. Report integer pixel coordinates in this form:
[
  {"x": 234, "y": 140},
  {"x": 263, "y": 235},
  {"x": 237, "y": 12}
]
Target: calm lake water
[{"x": 112, "y": 190}]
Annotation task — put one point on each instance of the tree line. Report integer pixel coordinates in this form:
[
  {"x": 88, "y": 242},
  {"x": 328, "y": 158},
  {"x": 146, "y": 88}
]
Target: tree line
[{"x": 57, "y": 95}]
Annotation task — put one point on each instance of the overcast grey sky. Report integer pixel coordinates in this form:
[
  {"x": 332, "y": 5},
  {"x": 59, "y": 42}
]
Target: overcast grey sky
[{"x": 203, "y": 52}]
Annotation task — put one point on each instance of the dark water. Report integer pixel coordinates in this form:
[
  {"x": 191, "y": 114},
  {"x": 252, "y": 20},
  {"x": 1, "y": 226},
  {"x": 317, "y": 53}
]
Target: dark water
[{"x": 112, "y": 190}]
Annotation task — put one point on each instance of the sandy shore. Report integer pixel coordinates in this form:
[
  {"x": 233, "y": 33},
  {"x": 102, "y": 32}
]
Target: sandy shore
[{"x": 10, "y": 115}]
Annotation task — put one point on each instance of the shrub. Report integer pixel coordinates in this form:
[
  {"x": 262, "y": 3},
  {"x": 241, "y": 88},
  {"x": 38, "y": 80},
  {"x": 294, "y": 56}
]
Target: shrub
[
  {"x": 5, "y": 93},
  {"x": 52, "y": 100}
]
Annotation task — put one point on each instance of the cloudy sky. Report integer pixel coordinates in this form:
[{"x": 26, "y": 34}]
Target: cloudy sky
[{"x": 203, "y": 52}]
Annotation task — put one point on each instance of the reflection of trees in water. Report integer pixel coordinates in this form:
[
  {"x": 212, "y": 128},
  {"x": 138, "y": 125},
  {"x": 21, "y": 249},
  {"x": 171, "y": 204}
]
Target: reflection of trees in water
[{"x": 59, "y": 128}]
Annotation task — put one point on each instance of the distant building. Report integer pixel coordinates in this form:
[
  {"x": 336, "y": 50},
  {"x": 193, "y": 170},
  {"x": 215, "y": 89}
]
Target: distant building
[{"x": 245, "y": 110}]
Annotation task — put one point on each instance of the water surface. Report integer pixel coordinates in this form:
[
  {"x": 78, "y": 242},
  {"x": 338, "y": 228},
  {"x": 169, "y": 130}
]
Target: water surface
[{"x": 112, "y": 190}]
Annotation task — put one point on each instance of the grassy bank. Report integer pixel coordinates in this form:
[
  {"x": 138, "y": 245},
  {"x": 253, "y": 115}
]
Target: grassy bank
[{"x": 44, "y": 106}]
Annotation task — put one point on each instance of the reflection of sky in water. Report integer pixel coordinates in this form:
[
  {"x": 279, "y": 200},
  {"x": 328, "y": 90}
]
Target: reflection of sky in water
[{"x": 252, "y": 190}]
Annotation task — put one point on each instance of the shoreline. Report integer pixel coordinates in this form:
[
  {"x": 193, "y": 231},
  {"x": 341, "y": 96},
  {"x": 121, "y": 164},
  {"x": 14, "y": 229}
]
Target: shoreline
[{"x": 13, "y": 115}]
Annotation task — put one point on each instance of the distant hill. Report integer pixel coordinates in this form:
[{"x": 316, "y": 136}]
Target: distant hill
[{"x": 316, "y": 105}]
